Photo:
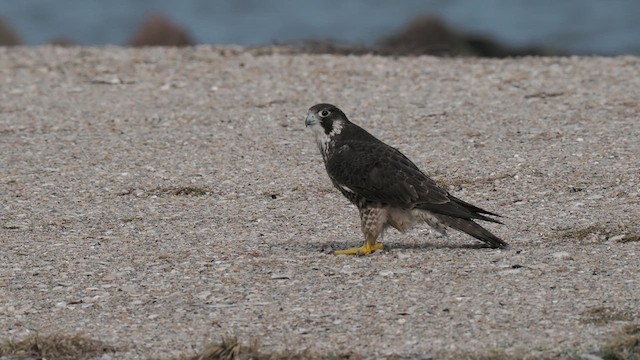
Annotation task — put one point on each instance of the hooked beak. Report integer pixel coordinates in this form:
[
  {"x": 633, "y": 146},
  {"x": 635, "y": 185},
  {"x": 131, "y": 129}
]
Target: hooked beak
[{"x": 311, "y": 119}]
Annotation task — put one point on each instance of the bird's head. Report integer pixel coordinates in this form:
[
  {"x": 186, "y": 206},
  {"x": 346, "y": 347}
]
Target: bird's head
[{"x": 326, "y": 120}]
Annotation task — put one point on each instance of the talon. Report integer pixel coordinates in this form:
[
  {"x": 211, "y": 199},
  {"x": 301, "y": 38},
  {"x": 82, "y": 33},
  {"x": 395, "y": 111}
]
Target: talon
[{"x": 362, "y": 250}]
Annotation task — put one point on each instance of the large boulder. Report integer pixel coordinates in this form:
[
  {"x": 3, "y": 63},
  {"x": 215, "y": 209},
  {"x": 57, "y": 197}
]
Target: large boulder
[{"x": 158, "y": 30}]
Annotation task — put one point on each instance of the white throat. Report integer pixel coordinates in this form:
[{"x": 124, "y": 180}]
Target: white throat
[{"x": 324, "y": 140}]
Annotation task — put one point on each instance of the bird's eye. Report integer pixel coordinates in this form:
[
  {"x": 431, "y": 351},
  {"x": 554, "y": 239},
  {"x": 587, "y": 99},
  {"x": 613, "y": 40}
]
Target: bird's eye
[{"x": 325, "y": 113}]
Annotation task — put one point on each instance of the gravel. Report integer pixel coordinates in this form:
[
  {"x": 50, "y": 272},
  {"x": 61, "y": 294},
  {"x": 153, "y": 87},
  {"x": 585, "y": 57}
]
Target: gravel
[{"x": 159, "y": 199}]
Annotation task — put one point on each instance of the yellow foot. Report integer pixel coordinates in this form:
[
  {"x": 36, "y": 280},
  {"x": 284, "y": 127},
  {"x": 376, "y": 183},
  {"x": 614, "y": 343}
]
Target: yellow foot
[{"x": 362, "y": 250}]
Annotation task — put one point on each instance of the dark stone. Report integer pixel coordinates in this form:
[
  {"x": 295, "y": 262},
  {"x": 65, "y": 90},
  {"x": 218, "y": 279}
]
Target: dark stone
[
  {"x": 158, "y": 30},
  {"x": 8, "y": 36}
]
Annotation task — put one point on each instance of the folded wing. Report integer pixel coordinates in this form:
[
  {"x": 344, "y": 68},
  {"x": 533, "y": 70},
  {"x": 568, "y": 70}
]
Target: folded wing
[{"x": 382, "y": 174}]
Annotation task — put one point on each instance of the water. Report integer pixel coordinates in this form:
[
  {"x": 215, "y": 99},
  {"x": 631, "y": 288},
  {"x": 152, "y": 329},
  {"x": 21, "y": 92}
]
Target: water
[{"x": 575, "y": 26}]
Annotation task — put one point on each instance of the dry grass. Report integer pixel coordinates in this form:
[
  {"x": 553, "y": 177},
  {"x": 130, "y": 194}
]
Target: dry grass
[
  {"x": 619, "y": 232},
  {"x": 232, "y": 349},
  {"x": 58, "y": 347},
  {"x": 189, "y": 191},
  {"x": 630, "y": 238},
  {"x": 175, "y": 191},
  {"x": 602, "y": 315},
  {"x": 620, "y": 346},
  {"x": 583, "y": 233},
  {"x": 227, "y": 349},
  {"x": 623, "y": 346},
  {"x": 493, "y": 354}
]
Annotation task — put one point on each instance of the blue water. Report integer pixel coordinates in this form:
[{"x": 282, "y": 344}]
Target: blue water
[{"x": 575, "y": 26}]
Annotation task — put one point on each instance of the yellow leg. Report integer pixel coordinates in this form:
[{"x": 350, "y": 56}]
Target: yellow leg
[
  {"x": 365, "y": 249},
  {"x": 373, "y": 220}
]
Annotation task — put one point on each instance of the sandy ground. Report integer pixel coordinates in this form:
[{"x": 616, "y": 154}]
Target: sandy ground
[{"x": 159, "y": 199}]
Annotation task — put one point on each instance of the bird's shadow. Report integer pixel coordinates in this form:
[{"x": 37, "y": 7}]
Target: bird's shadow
[
  {"x": 428, "y": 245},
  {"x": 338, "y": 245}
]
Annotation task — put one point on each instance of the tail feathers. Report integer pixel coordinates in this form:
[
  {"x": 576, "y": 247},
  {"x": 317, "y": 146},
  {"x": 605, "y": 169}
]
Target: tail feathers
[
  {"x": 486, "y": 218},
  {"x": 476, "y": 210},
  {"x": 458, "y": 209},
  {"x": 469, "y": 227}
]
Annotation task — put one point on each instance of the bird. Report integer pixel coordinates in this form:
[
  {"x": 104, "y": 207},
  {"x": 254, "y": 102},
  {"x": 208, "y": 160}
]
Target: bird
[{"x": 387, "y": 188}]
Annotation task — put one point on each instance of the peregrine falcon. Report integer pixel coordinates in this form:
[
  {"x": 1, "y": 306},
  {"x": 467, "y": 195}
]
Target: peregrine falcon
[{"x": 387, "y": 188}]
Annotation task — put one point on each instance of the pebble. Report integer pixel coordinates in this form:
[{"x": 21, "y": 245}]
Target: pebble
[
  {"x": 347, "y": 270},
  {"x": 203, "y": 295},
  {"x": 590, "y": 357},
  {"x": 385, "y": 273},
  {"x": 617, "y": 238},
  {"x": 510, "y": 271},
  {"x": 107, "y": 79},
  {"x": 281, "y": 276},
  {"x": 562, "y": 255}
]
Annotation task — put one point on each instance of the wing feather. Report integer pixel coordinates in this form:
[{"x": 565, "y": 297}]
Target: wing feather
[{"x": 381, "y": 174}]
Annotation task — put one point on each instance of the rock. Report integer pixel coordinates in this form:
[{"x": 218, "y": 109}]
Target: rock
[
  {"x": 347, "y": 270},
  {"x": 203, "y": 295},
  {"x": 62, "y": 41},
  {"x": 8, "y": 36},
  {"x": 426, "y": 35},
  {"x": 429, "y": 35},
  {"x": 158, "y": 30},
  {"x": 563, "y": 255},
  {"x": 281, "y": 276},
  {"x": 617, "y": 237},
  {"x": 590, "y": 357}
]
